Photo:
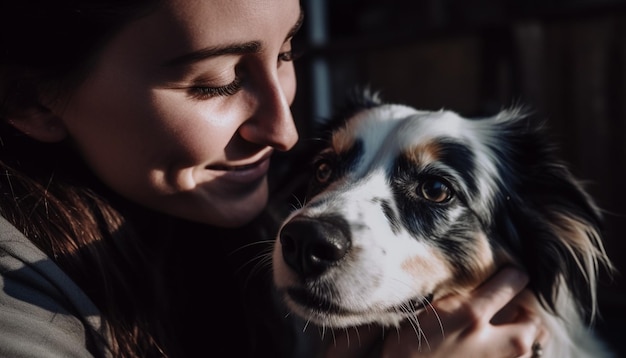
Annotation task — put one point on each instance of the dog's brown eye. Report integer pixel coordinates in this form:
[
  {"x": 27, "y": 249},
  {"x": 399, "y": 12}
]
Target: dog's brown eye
[
  {"x": 435, "y": 190},
  {"x": 323, "y": 171}
]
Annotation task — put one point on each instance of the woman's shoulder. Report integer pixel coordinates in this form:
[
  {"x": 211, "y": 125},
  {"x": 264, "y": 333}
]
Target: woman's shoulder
[{"x": 42, "y": 311}]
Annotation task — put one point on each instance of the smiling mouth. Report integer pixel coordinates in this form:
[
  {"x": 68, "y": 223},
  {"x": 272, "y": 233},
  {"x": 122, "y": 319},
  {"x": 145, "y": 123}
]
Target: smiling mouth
[
  {"x": 319, "y": 304},
  {"x": 241, "y": 168}
]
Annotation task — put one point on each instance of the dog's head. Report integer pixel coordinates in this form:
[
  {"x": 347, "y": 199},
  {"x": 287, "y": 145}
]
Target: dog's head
[{"x": 407, "y": 206}]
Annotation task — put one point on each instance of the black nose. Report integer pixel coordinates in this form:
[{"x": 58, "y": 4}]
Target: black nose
[{"x": 311, "y": 246}]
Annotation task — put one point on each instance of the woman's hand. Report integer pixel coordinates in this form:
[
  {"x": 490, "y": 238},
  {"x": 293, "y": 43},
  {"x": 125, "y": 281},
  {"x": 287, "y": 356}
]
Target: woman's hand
[{"x": 498, "y": 319}]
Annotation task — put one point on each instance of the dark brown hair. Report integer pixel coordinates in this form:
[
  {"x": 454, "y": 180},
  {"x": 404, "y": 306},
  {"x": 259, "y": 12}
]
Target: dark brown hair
[{"x": 46, "y": 48}]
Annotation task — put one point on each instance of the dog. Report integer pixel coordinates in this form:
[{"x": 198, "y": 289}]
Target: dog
[{"x": 407, "y": 206}]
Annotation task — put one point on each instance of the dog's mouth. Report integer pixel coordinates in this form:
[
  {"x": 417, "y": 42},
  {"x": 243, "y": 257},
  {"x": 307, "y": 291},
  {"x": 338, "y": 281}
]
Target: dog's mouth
[{"x": 323, "y": 306}]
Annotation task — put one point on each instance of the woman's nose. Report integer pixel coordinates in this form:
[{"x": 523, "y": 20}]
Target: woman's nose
[{"x": 271, "y": 122}]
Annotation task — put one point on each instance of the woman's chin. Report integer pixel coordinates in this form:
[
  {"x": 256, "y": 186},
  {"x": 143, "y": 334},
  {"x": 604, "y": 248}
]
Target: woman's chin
[
  {"x": 218, "y": 205},
  {"x": 234, "y": 212}
]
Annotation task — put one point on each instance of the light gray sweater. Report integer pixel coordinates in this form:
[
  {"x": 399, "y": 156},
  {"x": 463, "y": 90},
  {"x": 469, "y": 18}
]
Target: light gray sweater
[{"x": 43, "y": 313}]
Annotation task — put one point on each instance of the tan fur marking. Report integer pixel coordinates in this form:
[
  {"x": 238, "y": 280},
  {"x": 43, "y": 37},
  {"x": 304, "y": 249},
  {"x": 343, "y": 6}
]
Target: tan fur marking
[
  {"x": 484, "y": 264},
  {"x": 586, "y": 247},
  {"x": 581, "y": 239},
  {"x": 484, "y": 260},
  {"x": 423, "y": 153},
  {"x": 343, "y": 139},
  {"x": 434, "y": 266}
]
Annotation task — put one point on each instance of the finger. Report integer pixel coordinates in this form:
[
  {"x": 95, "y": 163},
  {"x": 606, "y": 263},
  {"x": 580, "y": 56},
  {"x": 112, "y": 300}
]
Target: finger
[
  {"x": 542, "y": 340},
  {"x": 517, "y": 340},
  {"x": 495, "y": 293},
  {"x": 525, "y": 302},
  {"x": 527, "y": 331}
]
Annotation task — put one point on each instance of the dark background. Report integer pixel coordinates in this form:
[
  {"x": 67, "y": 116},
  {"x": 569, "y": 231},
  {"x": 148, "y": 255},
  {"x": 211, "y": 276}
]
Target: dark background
[{"x": 564, "y": 59}]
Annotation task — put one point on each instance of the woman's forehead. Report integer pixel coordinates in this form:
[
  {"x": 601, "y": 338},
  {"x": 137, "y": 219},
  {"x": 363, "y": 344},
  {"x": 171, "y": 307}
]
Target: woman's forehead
[{"x": 182, "y": 26}]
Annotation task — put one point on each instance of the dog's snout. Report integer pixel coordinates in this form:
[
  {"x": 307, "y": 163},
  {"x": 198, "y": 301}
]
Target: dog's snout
[{"x": 311, "y": 246}]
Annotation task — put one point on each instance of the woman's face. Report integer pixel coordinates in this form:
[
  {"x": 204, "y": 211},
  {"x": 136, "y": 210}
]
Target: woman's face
[{"x": 186, "y": 106}]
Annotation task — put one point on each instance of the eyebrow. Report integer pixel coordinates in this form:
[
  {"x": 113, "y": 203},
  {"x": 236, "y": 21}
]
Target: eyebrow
[{"x": 232, "y": 49}]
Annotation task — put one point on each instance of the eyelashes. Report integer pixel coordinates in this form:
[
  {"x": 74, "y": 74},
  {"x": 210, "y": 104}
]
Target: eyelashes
[
  {"x": 289, "y": 56},
  {"x": 201, "y": 92},
  {"x": 207, "y": 92}
]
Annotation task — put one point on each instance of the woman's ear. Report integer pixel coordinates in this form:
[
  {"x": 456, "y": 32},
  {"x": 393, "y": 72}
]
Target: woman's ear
[{"x": 39, "y": 123}]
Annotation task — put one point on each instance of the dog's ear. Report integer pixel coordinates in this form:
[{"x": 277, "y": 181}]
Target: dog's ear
[
  {"x": 550, "y": 218},
  {"x": 361, "y": 97},
  {"x": 356, "y": 99}
]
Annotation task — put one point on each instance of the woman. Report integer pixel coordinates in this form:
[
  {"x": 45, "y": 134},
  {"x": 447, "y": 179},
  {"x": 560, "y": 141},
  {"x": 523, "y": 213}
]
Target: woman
[{"x": 136, "y": 143}]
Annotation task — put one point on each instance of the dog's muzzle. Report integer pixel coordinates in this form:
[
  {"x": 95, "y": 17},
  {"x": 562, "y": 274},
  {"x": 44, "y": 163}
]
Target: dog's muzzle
[{"x": 310, "y": 246}]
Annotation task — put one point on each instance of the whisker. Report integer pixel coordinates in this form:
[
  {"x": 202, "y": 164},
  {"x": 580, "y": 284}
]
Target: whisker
[
  {"x": 358, "y": 336},
  {"x": 443, "y": 334},
  {"x": 345, "y": 331},
  {"x": 323, "y": 333},
  {"x": 262, "y": 261},
  {"x": 260, "y": 242}
]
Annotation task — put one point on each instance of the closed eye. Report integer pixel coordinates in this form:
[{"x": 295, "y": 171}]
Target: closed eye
[{"x": 206, "y": 92}]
